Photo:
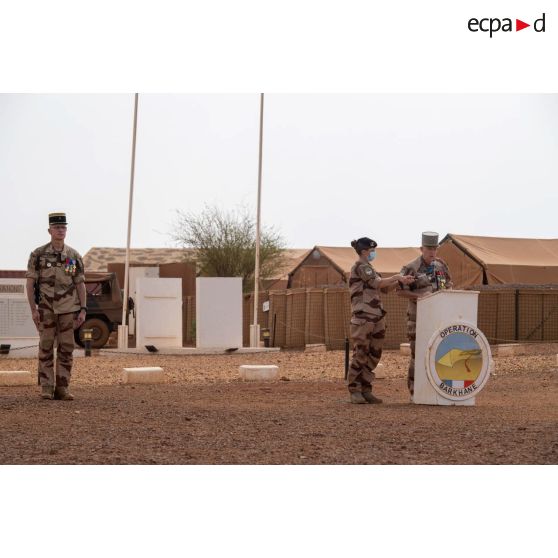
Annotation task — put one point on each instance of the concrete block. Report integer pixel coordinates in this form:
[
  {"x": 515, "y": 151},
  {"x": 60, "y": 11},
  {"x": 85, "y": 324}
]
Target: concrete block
[
  {"x": 259, "y": 371},
  {"x": 143, "y": 375},
  {"x": 315, "y": 348},
  {"x": 507, "y": 350},
  {"x": 380, "y": 372},
  {"x": 17, "y": 378},
  {"x": 405, "y": 349}
]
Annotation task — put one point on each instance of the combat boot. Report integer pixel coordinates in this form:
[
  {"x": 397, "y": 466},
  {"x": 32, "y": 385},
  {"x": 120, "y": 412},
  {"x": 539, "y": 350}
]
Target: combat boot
[
  {"x": 63, "y": 394},
  {"x": 369, "y": 398},
  {"x": 357, "y": 398},
  {"x": 47, "y": 392}
]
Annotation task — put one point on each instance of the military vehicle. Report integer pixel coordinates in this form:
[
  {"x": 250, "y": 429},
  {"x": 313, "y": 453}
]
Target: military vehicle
[{"x": 104, "y": 308}]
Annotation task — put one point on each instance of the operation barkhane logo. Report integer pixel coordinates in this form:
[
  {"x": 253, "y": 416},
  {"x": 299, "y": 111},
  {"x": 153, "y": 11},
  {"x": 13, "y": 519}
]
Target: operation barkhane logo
[
  {"x": 492, "y": 25},
  {"x": 459, "y": 361}
]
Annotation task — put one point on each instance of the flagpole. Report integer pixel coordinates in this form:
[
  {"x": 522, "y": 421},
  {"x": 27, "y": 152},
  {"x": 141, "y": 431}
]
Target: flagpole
[
  {"x": 123, "y": 329},
  {"x": 255, "y": 333}
]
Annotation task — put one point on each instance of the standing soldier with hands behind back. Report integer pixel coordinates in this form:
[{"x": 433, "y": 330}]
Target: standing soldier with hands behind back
[
  {"x": 368, "y": 327},
  {"x": 431, "y": 274},
  {"x": 55, "y": 273}
]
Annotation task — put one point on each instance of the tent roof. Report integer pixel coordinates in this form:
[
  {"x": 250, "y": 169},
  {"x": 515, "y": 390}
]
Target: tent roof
[
  {"x": 98, "y": 258},
  {"x": 476, "y": 260},
  {"x": 292, "y": 257},
  {"x": 388, "y": 260},
  {"x": 491, "y": 250}
]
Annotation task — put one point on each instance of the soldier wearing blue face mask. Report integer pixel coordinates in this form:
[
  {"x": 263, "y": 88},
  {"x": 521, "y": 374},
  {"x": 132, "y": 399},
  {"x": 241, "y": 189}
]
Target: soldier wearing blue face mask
[{"x": 367, "y": 319}]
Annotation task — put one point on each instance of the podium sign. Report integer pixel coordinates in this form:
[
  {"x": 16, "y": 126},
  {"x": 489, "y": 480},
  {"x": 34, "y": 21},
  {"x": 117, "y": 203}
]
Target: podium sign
[{"x": 452, "y": 356}]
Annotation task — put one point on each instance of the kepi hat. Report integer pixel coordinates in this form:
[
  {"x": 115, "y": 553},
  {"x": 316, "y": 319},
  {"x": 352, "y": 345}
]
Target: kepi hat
[
  {"x": 430, "y": 239},
  {"x": 57, "y": 219}
]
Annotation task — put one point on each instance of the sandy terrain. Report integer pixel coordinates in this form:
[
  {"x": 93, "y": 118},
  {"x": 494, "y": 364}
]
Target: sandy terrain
[{"x": 204, "y": 414}]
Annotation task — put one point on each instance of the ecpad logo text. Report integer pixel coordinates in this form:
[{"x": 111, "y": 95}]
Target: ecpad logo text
[{"x": 493, "y": 25}]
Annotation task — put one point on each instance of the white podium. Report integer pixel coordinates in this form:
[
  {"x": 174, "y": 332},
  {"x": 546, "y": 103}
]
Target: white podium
[{"x": 452, "y": 356}]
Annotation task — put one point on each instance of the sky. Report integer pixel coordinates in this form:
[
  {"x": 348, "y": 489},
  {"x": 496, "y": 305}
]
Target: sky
[{"x": 335, "y": 167}]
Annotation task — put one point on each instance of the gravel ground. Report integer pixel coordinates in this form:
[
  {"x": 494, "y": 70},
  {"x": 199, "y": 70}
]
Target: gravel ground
[{"x": 204, "y": 414}]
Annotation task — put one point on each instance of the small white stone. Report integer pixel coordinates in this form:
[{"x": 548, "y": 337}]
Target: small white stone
[
  {"x": 380, "y": 372},
  {"x": 17, "y": 378},
  {"x": 143, "y": 375},
  {"x": 259, "y": 371},
  {"x": 507, "y": 350},
  {"x": 315, "y": 348},
  {"x": 405, "y": 349}
]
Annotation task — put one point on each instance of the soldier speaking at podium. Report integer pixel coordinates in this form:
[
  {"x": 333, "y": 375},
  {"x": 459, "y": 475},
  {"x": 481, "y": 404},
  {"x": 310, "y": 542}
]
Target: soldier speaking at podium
[
  {"x": 431, "y": 274},
  {"x": 56, "y": 295}
]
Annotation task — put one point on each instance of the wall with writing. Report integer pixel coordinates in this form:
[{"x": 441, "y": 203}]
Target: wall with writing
[{"x": 15, "y": 316}]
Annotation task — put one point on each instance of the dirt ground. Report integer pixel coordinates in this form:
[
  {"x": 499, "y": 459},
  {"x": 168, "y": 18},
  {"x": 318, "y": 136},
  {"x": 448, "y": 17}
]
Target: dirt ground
[{"x": 204, "y": 414}]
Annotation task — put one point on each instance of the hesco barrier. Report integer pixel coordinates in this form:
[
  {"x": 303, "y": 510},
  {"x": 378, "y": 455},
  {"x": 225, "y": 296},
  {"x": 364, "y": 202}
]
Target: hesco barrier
[
  {"x": 298, "y": 317},
  {"x": 523, "y": 313},
  {"x": 189, "y": 321}
]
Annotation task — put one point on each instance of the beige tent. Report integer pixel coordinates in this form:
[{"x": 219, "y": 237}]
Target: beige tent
[
  {"x": 98, "y": 259},
  {"x": 291, "y": 257},
  {"x": 485, "y": 260},
  {"x": 328, "y": 266},
  {"x": 171, "y": 262}
]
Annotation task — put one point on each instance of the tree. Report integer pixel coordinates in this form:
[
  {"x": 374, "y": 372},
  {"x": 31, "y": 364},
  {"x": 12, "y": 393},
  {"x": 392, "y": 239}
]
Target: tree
[{"x": 224, "y": 244}]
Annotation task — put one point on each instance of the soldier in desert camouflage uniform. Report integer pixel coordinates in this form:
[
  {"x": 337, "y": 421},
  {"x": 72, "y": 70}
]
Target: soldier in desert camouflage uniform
[
  {"x": 431, "y": 274},
  {"x": 58, "y": 269},
  {"x": 367, "y": 320}
]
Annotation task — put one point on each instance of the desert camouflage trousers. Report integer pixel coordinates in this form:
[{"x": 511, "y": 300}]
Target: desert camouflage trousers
[
  {"x": 61, "y": 327},
  {"x": 367, "y": 335},
  {"x": 412, "y": 336}
]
